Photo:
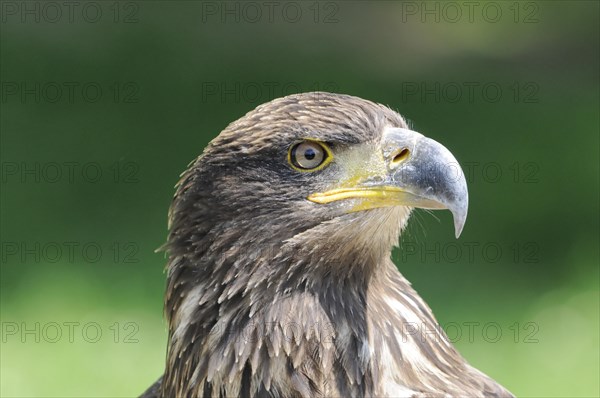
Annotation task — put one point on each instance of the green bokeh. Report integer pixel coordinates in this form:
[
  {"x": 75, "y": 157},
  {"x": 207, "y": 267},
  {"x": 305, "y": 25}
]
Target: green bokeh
[{"x": 173, "y": 74}]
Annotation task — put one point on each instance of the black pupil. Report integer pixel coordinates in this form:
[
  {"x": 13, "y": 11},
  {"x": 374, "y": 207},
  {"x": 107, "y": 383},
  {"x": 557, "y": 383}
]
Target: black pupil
[{"x": 310, "y": 154}]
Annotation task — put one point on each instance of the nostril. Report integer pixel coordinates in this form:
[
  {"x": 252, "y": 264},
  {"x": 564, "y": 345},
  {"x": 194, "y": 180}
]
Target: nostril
[{"x": 400, "y": 156}]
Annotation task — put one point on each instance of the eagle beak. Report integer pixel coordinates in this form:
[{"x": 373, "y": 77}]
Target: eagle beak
[{"x": 419, "y": 172}]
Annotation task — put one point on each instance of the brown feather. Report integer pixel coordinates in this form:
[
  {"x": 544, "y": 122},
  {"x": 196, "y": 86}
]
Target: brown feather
[{"x": 268, "y": 295}]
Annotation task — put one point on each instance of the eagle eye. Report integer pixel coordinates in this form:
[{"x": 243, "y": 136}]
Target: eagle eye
[{"x": 309, "y": 155}]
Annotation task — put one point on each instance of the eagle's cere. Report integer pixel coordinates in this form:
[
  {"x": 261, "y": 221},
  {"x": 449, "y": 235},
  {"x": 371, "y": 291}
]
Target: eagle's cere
[{"x": 280, "y": 282}]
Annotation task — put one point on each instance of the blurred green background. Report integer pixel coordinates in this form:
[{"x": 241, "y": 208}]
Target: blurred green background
[{"x": 105, "y": 103}]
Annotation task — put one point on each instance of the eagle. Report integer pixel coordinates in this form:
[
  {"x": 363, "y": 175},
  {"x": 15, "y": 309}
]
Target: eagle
[{"x": 280, "y": 281}]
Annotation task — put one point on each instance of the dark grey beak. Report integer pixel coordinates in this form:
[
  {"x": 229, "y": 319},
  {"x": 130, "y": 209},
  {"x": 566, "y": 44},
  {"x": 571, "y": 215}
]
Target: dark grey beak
[{"x": 428, "y": 172}]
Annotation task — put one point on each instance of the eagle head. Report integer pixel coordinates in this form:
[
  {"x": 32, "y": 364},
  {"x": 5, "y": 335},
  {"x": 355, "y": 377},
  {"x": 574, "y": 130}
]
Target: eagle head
[{"x": 311, "y": 170}]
